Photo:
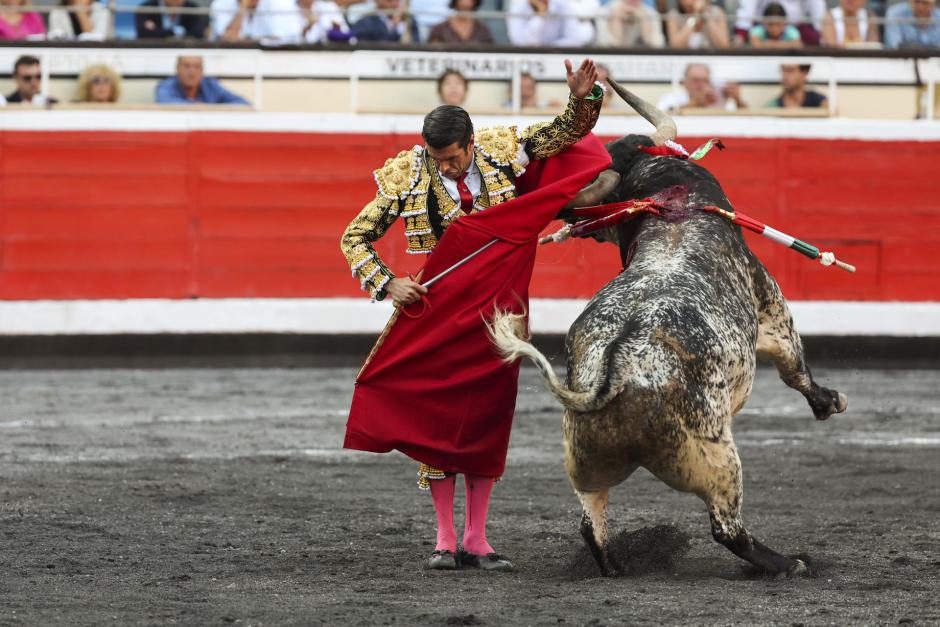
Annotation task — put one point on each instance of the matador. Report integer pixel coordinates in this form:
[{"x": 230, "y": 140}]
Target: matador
[{"x": 457, "y": 172}]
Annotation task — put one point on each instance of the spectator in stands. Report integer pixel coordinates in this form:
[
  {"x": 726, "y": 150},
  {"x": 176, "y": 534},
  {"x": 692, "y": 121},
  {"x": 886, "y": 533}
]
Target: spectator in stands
[
  {"x": 308, "y": 21},
  {"x": 458, "y": 29},
  {"x": 774, "y": 32},
  {"x": 551, "y": 22},
  {"x": 697, "y": 24},
  {"x": 241, "y": 20},
  {"x": 452, "y": 88},
  {"x": 698, "y": 91},
  {"x": 394, "y": 26},
  {"x": 15, "y": 23},
  {"x": 98, "y": 83},
  {"x": 87, "y": 21},
  {"x": 922, "y": 27},
  {"x": 631, "y": 24},
  {"x": 848, "y": 24},
  {"x": 191, "y": 86},
  {"x": 529, "y": 94},
  {"x": 27, "y": 76},
  {"x": 807, "y": 15},
  {"x": 429, "y": 13},
  {"x": 169, "y": 25},
  {"x": 795, "y": 94},
  {"x": 602, "y": 73}
]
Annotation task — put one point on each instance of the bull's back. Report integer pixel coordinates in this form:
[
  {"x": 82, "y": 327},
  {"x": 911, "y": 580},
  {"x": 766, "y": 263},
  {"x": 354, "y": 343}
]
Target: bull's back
[{"x": 676, "y": 332}]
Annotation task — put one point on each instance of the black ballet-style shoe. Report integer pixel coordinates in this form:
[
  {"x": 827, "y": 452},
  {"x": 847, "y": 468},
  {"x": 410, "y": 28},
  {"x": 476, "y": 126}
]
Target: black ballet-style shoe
[
  {"x": 442, "y": 560},
  {"x": 490, "y": 561}
]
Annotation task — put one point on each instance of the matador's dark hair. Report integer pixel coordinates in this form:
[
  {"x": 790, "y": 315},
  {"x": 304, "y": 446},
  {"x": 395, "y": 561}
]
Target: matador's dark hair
[{"x": 446, "y": 125}]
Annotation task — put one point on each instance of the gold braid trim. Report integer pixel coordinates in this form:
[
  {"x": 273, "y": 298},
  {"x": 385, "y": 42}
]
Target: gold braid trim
[
  {"x": 499, "y": 144},
  {"x": 548, "y": 139},
  {"x": 447, "y": 208},
  {"x": 356, "y": 243},
  {"x": 427, "y": 474},
  {"x": 404, "y": 183},
  {"x": 398, "y": 177}
]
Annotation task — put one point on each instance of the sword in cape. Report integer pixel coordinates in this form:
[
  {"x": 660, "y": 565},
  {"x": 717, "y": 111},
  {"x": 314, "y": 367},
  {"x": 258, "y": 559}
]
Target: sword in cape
[{"x": 428, "y": 283}]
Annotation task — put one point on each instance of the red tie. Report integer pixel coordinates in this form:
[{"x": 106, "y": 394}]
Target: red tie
[{"x": 466, "y": 198}]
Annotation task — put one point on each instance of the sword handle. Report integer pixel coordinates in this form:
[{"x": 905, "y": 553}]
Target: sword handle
[{"x": 845, "y": 266}]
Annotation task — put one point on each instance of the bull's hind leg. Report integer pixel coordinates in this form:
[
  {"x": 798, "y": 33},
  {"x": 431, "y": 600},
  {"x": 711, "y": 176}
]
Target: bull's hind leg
[
  {"x": 723, "y": 497},
  {"x": 777, "y": 338},
  {"x": 712, "y": 470},
  {"x": 594, "y": 530}
]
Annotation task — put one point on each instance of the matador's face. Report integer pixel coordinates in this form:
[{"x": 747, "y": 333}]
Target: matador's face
[{"x": 452, "y": 161}]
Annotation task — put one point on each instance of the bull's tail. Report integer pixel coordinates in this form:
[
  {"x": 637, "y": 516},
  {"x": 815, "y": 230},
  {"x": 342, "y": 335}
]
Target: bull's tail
[{"x": 508, "y": 332}]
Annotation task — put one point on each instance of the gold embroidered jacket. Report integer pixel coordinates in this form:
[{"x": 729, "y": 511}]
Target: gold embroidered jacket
[{"x": 407, "y": 180}]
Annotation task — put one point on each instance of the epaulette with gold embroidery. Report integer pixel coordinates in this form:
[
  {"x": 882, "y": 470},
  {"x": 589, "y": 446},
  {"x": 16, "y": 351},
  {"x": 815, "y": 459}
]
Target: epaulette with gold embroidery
[
  {"x": 398, "y": 176},
  {"x": 499, "y": 144}
]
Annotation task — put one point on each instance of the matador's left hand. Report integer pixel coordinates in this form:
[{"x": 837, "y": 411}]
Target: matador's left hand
[{"x": 581, "y": 82}]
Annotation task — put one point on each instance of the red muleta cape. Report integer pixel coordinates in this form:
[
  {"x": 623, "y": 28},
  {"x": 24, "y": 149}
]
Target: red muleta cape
[{"x": 435, "y": 388}]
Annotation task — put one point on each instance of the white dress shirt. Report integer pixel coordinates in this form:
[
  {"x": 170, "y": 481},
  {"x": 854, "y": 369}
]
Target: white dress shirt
[
  {"x": 474, "y": 178},
  {"x": 563, "y": 25},
  {"x": 257, "y": 25},
  {"x": 288, "y": 24}
]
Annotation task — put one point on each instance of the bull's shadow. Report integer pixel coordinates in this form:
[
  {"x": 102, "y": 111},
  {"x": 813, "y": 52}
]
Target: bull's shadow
[
  {"x": 662, "y": 550},
  {"x": 645, "y": 551}
]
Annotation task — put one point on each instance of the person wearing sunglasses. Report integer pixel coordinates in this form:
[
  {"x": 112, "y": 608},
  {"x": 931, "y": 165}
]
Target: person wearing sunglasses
[
  {"x": 28, "y": 79},
  {"x": 99, "y": 84}
]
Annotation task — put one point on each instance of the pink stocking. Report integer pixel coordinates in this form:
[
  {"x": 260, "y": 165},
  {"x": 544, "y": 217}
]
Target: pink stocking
[
  {"x": 478, "y": 504},
  {"x": 442, "y": 493}
]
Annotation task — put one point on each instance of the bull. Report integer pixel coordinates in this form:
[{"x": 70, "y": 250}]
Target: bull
[{"x": 664, "y": 355}]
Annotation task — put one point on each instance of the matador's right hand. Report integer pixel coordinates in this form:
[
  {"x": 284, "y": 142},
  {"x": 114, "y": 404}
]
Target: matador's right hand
[{"x": 405, "y": 290}]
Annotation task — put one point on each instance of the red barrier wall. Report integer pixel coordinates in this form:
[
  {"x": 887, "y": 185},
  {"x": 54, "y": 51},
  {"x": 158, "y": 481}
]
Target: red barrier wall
[{"x": 86, "y": 215}]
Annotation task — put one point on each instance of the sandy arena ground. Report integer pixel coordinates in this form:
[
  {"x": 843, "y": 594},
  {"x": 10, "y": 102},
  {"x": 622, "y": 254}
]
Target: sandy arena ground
[{"x": 223, "y": 497}]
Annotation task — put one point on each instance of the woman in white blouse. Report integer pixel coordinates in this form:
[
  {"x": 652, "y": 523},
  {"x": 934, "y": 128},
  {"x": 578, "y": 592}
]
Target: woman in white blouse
[
  {"x": 87, "y": 20},
  {"x": 848, "y": 24}
]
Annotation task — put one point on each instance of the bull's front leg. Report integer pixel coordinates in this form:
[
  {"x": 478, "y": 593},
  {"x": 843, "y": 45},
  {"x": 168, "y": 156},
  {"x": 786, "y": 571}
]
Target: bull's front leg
[{"x": 777, "y": 339}]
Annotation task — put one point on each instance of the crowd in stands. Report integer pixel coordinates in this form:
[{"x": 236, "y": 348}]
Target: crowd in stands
[
  {"x": 677, "y": 24},
  {"x": 99, "y": 84}
]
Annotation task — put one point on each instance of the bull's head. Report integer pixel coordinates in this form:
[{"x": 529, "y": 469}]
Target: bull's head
[{"x": 608, "y": 180}]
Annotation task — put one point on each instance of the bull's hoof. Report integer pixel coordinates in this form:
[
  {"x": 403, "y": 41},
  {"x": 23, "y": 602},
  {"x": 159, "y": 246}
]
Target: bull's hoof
[
  {"x": 608, "y": 571},
  {"x": 799, "y": 568},
  {"x": 831, "y": 402}
]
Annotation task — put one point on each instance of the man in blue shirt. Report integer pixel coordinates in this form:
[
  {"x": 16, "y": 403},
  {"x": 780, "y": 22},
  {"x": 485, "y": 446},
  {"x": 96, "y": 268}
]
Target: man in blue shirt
[
  {"x": 190, "y": 86},
  {"x": 919, "y": 25}
]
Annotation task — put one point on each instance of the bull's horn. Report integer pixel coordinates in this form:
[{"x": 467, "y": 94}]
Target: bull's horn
[
  {"x": 593, "y": 193},
  {"x": 665, "y": 127}
]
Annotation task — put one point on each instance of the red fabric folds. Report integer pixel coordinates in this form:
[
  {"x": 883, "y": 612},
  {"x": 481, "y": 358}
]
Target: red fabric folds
[{"x": 435, "y": 388}]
